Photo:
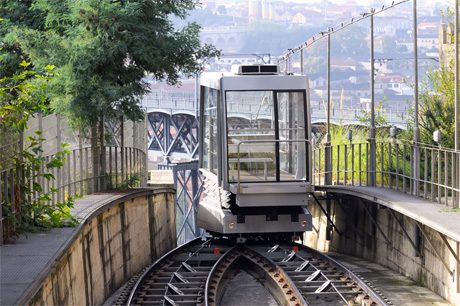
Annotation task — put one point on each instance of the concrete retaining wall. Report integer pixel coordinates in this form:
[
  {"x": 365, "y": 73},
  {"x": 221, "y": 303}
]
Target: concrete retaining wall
[
  {"x": 360, "y": 237},
  {"x": 113, "y": 244}
]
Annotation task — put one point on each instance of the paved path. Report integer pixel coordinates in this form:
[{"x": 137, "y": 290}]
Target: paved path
[
  {"x": 27, "y": 262},
  {"x": 437, "y": 216},
  {"x": 400, "y": 290}
]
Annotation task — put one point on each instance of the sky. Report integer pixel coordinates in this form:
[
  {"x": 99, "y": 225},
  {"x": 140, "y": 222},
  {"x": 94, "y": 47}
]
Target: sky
[{"x": 360, "y": 2}]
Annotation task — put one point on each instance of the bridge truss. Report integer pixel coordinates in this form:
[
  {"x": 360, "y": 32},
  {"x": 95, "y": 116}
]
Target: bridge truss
[{"x": 173, "y": 134}]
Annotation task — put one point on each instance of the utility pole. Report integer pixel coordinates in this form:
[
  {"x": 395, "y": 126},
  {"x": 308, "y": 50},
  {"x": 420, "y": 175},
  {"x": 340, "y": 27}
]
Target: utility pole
[
  {"x": 328, "y": 157},
  {"x": 372, "y": 157},
  {"x": 456, "y": 173},
  {"x": 415, "y": 188}
]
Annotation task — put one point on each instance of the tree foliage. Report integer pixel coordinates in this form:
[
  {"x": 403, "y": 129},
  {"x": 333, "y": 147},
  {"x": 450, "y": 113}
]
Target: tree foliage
[
  {"x": 437, "y": 105},
  {"x": 437, "y": 100},
  {"x": 102, "y": 50},
  {"x": 20, "y": 98}
]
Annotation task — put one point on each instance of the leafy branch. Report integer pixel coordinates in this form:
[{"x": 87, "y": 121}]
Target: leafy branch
[{"x": 30, "y": 209}]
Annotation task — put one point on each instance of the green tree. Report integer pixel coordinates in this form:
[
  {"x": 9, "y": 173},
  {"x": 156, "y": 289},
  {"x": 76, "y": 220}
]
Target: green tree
[
  {"x": 20, "y": 98},
  {"x": 437, "y": 107},
  {"x": 14, "y": 14},
  {"x": 102, "y": 50},
  {"x": 437, "y": 100}
]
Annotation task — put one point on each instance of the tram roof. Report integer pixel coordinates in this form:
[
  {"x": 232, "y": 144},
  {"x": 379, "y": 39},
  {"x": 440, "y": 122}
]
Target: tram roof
[{"x": 231, "y": 81}]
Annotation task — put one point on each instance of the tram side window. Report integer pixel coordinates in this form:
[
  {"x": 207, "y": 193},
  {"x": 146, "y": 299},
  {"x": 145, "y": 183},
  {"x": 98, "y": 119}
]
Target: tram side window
[
  {"x": 250, "y": 135},
  {"x": 210, "y": 158}
]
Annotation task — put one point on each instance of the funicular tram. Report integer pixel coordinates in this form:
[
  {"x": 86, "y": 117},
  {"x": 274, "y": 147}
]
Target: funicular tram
[{"x": 255, "y": 151}]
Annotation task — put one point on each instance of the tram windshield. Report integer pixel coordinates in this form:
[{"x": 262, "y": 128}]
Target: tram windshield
[{"x": 266, "y": 136}]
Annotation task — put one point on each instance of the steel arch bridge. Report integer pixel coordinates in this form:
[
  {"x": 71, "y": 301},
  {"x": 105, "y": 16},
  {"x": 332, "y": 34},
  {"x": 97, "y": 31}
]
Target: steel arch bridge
[{"x": 173, "y": 133}]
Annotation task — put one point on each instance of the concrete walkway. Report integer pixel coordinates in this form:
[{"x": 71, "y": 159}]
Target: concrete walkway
[
  {"x": 400, "y": 290},
  {"x": 25, "y": 264},
  {"x": 436, "y": 216}
]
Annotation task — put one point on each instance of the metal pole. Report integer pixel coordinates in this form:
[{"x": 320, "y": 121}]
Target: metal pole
[
  {"x": 327, "y": 157},
  {"x": 372, "y": 166},
  {"x": 196, "y": 102},
  {"x": 416, "y": 128},
  {"x": 416, "y": 155},
  {"x": 456, "y": 173},
  {"x": 456, "y": 78},
  {"x": 372, "y": 131},
  {"x": 301, "y": 61}
]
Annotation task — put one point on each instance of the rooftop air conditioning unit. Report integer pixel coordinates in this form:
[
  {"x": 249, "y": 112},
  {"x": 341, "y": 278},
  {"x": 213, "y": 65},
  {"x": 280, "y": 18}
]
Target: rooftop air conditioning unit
[{"x": 255, "y": 69}]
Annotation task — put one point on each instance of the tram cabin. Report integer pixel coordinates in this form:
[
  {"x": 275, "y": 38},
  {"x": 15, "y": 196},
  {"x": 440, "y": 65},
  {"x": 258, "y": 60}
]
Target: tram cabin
[{"x": 255, "y": 151}]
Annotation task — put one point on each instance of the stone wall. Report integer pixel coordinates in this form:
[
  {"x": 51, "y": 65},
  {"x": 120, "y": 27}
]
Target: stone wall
[
  {"x": 113, "y": 245},
  {"x": 361, "y": 238}
]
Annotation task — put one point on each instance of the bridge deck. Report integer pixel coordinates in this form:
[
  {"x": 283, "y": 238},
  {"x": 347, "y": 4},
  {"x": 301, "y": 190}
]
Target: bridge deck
[{"x": 437, "y": 216}]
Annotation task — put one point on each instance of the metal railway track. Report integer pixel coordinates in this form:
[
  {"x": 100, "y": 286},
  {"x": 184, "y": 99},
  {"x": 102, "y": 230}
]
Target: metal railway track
[{"x": 197, "y": 274}]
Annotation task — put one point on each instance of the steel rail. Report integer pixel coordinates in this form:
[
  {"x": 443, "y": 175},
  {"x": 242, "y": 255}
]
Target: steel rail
[
  {"x": 323, "y": 275},
  {"x": 197, "y": 273},
  {"x": 157, "y": 264},
  {"x": 374, "y": 296},
  {"x": 213, "y": 291}
]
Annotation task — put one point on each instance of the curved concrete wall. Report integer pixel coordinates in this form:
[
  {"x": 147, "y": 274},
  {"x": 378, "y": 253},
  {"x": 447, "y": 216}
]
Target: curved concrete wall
[
  {"x": 112, "y": 245},
  {"x": 360, "y": 237}
]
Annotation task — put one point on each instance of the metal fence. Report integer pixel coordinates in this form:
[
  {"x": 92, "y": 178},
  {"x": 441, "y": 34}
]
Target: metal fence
[
  {"x": 91, "y": 166},
  {"x": 421, "y": 170}
]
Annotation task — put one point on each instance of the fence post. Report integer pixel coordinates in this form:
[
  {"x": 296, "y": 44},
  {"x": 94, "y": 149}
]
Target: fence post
[
  {"x": 122, "y": 149},
  {"x": 146, "y": 150},
  {"x": 103, "y": 161},
  {"x": 94, "y": 158},
  {"x": 58, "y": 148},
  {"x": 80, "y": 158},
  {"x": 134, "y": 169}
]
